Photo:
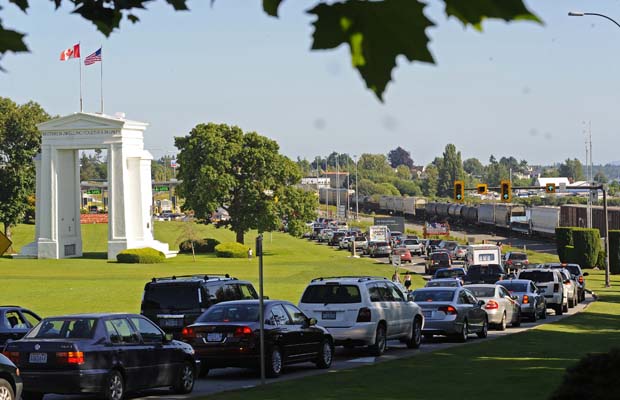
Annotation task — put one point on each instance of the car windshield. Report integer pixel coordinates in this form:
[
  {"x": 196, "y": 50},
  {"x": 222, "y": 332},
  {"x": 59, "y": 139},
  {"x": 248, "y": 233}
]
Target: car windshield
[
  {"x": 515, "y": 286},
  {"x": 518, "y": 256},
  {"x": 331, "y": 294},
  {"x": 433, "y": 295},
  {"x": 450, "y": 283},
  {"x": 381, "y": 244},
  {"x": 411, "y": 241},
  {"x": 226, "y": 312},
  {"x": 449, "y": 273},
  {"x": 573, "y": 269},
  {"x": 481, "y": 291},
  {"x": 537, "y": 276},
  {"x": 492, "y": 269},
  {"x": 171, "y": 296},
  {"x": 440, "y": 256},
  {"x": 64, "y": 328}
]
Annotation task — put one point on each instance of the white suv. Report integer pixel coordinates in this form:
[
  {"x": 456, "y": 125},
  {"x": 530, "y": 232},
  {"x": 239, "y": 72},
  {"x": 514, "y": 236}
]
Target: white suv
[
  {"x": 552, "y": 284},
  {"x": 363, "y": 311}
]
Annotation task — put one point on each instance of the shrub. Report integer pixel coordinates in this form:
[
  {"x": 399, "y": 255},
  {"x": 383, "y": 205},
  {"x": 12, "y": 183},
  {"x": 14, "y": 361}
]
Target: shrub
[
  {"x": 614, "y": 251},
  {"x": 600, "y": 261},
  {"x": 563, "y": 238},
  {"x": 201, "y": 246},
  {"x": 569, "y": 255},
  {"x": 590, "y": 378},
  {"x": 587, "y": 243},
  {"x": 146, "y": 255},
  {"x": 231, "y": 250},
  {"x": 296, "y": 228}
]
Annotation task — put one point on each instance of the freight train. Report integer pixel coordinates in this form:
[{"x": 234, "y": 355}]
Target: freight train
[{"x": 535, "y": 221}]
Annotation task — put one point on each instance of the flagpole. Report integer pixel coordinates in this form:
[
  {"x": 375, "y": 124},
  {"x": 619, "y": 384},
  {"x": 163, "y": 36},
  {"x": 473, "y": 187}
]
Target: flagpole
[
  {"x": 80, "y": 62},
  {"x": 101, "y": 49}
]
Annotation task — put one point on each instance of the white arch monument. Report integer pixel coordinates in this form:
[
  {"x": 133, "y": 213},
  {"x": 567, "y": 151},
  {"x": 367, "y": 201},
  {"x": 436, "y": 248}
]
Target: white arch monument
[{"x": 58, "y": 232}]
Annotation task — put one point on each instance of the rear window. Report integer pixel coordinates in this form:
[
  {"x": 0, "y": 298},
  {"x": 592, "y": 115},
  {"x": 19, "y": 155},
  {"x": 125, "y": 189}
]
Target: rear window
[
  {"x": 492, "y": 269},
  {"x": 331, "y": 294},
  {"x": 573, "y": 269},
  {"x": 66, "y": 328},
  {"x": 440, "y": 256},
  {"x": 171, "y": 297},
  {"x": 518, "y": 256},
  {"x": 433, "y": 295},
  {"x": 411, "y": 242},
  {"x": 217, "y": 292},
  {"x": 230, "y": 313},
  {"x": 515, "y": 286},
  {"x": 537, "y": 276},
  {"x": 482, "y": 291},
  {"x": 451, "y": 283},
  {"x": 381, "y": 244},
  {"x": 449, "y": 273}
]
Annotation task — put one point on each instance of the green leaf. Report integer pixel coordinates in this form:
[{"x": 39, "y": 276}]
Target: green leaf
[
  {"x": 11, "y": 41},
  {"x": 376, "y": 32},
  {"x": 133, "y": 18},
  {"x": 271, "y": 7},
  {"x": 179, "y": 5},
  {"x": 473, "y": 12},
  {"x": 105, "y": 19},
  {"x": 22, "y": 4}
]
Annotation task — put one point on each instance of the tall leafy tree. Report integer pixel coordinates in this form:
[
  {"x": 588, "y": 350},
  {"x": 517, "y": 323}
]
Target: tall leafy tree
[
  {"x": 429, "y": 187},
  {"x": 20, "y": 141},
  {"x": 450, "y": 169},
  {"x": 400, "y": 156},
  {"x": 221, "y": 166},
  {"x": 473, "y": 166},
  {"x": 376, "y": 32},
  {"x": 572, "y": 169},
  {"x": 297, "y": 207}
]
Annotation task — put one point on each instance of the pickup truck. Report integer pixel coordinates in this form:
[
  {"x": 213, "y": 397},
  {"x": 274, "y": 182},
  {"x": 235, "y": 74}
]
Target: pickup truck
[{"x": 413, "y": 245}]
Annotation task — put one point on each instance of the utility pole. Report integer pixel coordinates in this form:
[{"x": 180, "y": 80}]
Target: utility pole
[
  {"x": 357, "y": 210},
  {"x": 337, "y": 186}
]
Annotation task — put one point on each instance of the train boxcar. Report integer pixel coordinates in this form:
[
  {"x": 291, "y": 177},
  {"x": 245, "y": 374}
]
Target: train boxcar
[
  {"x": 577, "y": 215},
  {"x": 398, "y": 204},
  {"x": 507, "y": 213},
  {"x": 486, "y": 214},
  {"x": 544, "y": 220},
  {"x": 413, "y": 205}
]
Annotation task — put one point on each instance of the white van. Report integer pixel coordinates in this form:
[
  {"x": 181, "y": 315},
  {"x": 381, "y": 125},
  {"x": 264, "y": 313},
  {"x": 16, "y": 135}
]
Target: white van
[{"x": 481, "y": 254}]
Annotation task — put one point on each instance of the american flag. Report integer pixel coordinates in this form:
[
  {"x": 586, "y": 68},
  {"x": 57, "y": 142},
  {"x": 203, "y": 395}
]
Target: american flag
[{"x": 93, "y": 58}]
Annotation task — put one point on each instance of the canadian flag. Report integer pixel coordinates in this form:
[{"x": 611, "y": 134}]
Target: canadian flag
[{"x": 71, "y": 52}]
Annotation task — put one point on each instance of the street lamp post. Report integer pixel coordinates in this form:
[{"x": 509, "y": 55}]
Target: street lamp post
[
  {"x": 357, "y": 211},
  {"x": 606, "y": 233}
]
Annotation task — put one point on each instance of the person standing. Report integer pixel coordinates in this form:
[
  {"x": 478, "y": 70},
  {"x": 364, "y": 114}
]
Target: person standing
[
  {"x": 407, "y": 280},
  {"x": 249, "y": 253},
  {"x": 395, "y": 277}
]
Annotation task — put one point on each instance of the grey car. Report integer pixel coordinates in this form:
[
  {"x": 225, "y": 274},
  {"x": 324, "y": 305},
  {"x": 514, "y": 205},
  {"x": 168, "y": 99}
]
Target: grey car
[
  {"x": 533, "y": 303},
  {"x": 444, "y": 282},
  {"x": 454, "y": 312},
  {"x": 500, "y": 306}
]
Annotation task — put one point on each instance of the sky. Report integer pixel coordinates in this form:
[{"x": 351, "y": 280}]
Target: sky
[{"x": 518, "y": 89}]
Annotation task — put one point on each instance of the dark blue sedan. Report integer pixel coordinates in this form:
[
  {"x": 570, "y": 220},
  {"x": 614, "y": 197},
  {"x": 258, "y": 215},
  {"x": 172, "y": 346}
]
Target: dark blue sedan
[
  {"x": 105, "y": 354},
  {"x": 15, "y": 322}
]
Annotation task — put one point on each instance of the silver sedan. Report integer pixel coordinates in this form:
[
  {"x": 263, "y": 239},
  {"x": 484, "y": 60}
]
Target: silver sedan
[{"x": 500, "y": 306}]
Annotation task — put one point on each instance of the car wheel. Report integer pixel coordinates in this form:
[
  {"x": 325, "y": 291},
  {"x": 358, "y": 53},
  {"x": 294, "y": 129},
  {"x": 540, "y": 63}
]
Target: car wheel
[
  {"x": 464, "y": 333},
  {"x": 326, "y": 355},
  {"x": 502, "y": 324},
  {"x": 32, "y": 396},
  {"x": 185, "y": 380},
  {"x": 378, "y": 348},
  {"x": 485, "y": 329},
  {"x": 416, "y": 335},
  {"x": 274, "y": 363},
  {"x": 6, "y": 390},
  {"x": 115, "y": 386},
  {"x": 517, "y": 321},
  {"x": 565, "y": 308},
  {"x": 543, "y": 314},
  {"x": 571, "y": 302},
  {"x": 559, "y": 309}
]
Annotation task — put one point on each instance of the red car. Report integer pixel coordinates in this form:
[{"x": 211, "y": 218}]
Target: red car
[{"x": 403, "y": 252}]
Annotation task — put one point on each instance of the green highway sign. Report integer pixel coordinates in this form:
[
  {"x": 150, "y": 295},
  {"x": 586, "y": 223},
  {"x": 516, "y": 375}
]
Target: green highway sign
[
  {"x": 93, "y": 191},
  {"x": 161, "y": 189}
]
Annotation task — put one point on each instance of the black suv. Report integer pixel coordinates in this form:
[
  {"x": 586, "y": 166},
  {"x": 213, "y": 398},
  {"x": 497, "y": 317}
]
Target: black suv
[
  {"x": 490, "y": 273},
  {"x": 175, "y": 302},
  {"x": 10, "y": 381}
]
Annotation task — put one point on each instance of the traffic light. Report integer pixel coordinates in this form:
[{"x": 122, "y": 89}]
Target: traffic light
[
  {"x": 505, "y": 189},
  {"x": 483, "y": 188},
  {"x": 550, "y": 188},
  {"x": 459, "y": 191}
]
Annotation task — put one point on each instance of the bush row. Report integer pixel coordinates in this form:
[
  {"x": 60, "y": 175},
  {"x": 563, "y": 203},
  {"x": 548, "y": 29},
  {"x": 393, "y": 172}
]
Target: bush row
[
  {"x": 231, "y": 250},
  {"x": 580, "y": 246},
  {"x": 140, "y": 256},
  {"x": 201, "y": 246}
]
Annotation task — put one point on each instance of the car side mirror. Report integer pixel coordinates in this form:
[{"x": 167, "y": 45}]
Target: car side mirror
[
  {"x": 585, "y": 274},
  {"x": 312, "y": 322},
  {"x": 480, "y": 303},
  {"x": 168, "y": 337}
]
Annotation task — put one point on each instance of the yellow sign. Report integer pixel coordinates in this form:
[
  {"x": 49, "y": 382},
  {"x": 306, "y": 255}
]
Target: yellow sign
[{"x": 5, "y": 243}]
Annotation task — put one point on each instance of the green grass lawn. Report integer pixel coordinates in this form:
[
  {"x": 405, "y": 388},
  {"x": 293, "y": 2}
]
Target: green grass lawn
[
  {"x": 91, "y": 283},
  {"x": 526, "y": 365}
]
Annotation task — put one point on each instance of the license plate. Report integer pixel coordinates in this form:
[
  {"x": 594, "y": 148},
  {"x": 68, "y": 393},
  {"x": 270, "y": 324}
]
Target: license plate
[
  {"x": 329, "y": 315},
  {"x": 214, "y": 337},
  {"x": 38, "y": 358},
  {"x": 171, "y": 322}
]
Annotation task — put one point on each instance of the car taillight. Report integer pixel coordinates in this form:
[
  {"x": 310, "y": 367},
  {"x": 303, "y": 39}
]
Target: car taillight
[
  {"x": 509, "y": 262},
  {"x": 188, "y": 333},
  {"x": 448, "y": 310},
  {"x": 242, "y": 331},
  {"x": 526, "y": 299},
  {"x": 491, "y": 305},
  {"x": 581, "y": 279},
  {"x": 70, "y": 357},
  {"x": 556, "y": 287},
  {"x": 363, "y": 315},
  {"x": 12, "y": 355}
]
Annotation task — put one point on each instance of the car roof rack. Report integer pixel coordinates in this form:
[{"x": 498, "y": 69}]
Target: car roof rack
[
  {"x": 359, "y": 278},
  {"x": 204, "y": 277}
]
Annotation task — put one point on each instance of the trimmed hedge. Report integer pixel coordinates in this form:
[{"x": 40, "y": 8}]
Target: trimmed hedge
[
  {"x": 201, "y": 246},
  {"x": 592, "y": 377},
  {"x": 146, "y": 255},
  {"x": 231, "y": 250},
  {"x": 563, "y": 238},
  {"x": 587, "y": 243},
  {"x": 569, "y": 255},
  {"x": 614, "y": 252}
]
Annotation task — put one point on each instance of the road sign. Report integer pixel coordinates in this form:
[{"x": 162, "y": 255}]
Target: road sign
[
  {"x": 550, "y": 188},
  {"x": 562, "y": 186},
  {"x": 161, "y": 188},
  {"x": 93, "y": 191},
  {"x": 482, "y": 188},
  {"x": 5, "y": 243}
]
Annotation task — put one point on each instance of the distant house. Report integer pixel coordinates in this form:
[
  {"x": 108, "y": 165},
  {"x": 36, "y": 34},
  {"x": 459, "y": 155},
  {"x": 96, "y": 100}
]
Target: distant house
[{"x": 556, "y": 180}]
